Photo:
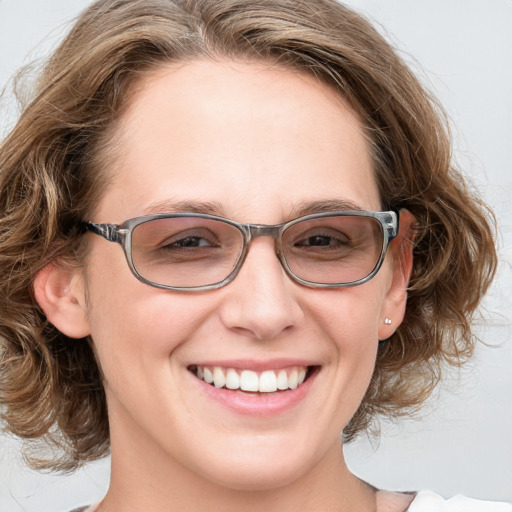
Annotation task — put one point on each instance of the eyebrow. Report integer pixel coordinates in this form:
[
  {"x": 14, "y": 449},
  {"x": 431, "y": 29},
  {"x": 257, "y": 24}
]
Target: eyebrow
[
  {"x": 215, "y": 208},
  {"x": 305, "y": 208},
  {"x": 168, "y": 205}
]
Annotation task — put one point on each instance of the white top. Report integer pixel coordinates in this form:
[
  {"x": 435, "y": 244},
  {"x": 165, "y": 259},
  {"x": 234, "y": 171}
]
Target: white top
[{"x": 428, "y": 501}]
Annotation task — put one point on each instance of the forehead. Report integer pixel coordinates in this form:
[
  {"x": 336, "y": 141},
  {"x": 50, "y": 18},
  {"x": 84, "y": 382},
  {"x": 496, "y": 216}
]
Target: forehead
[{"x": 254, "y": 138}]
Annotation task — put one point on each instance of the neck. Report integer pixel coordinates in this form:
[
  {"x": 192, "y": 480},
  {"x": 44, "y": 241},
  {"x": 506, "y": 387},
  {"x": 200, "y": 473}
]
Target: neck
[{"x": 143, "y": 478}]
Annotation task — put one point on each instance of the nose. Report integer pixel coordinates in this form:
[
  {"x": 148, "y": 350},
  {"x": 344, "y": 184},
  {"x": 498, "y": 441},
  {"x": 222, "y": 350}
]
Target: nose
[{"x": 261, "y": 302}]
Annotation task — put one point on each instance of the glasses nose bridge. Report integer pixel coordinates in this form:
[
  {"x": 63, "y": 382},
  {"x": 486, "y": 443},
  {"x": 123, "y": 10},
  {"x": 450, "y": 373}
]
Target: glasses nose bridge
[
  {"x": 257, "y": 230},
  {"x": 260, "y": 230}
]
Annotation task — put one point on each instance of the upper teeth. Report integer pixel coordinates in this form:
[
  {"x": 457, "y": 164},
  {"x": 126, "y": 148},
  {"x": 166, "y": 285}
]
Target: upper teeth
[{"x": 248, "y": 380}]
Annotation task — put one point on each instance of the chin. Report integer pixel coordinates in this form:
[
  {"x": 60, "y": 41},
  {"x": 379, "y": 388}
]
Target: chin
[
  {"x": 260, "y": 468},
  {"x": 249, "y": 478}
]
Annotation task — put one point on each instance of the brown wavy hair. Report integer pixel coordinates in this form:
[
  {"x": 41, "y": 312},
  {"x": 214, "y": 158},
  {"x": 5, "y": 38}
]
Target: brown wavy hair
[{"x": 52, "y": 173}]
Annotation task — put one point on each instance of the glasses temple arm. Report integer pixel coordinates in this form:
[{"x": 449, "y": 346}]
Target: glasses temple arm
[
  {"x": 108, "y": 231},
  {"x": 393, "y": 226}
]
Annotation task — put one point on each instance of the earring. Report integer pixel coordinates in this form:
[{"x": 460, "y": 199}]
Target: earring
[{"x": 387, "y": 321}]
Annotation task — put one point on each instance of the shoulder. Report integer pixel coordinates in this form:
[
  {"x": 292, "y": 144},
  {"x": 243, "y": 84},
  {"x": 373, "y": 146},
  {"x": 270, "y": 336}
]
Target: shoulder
[{"x": 427, "y": 501}]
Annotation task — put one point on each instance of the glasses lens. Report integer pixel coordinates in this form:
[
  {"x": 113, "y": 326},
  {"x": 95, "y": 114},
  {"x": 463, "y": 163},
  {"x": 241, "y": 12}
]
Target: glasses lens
[
  {"x": 185, "y": 251},
  {"x": 333, "y": 250}
]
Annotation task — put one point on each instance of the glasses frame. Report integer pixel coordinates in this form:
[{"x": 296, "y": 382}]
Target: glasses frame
[{"x": 122, "y": 234}]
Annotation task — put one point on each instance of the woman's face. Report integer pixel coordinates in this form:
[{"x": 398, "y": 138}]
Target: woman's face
[{"x": 256, "y": 144}]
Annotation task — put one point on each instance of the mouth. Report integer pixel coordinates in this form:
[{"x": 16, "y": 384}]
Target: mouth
[{"x": 250, "y": 381}]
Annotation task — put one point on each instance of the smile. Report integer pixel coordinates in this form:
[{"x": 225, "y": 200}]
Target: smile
[{"x": 268, "y": 381}]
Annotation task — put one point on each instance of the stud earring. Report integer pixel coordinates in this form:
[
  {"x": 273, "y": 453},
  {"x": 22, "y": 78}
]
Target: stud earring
[{"x": 387, "y": 321}]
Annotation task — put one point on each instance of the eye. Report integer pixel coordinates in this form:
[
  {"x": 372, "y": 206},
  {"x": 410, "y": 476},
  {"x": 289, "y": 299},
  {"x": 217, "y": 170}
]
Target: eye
[
  {"x": 320, "y": 241},
  {"x": 189, "y": 242},
  {"x": 191, "y": 246},
  {"x": 187, "y": 239},
  {"x": 322, "y": 238}
]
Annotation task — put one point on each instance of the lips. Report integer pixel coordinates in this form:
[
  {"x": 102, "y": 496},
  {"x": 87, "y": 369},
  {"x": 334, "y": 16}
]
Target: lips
[{"x": 267, "y": 381}]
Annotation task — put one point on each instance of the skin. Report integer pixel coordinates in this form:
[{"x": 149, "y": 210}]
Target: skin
[{"x": 259, "y": 142}]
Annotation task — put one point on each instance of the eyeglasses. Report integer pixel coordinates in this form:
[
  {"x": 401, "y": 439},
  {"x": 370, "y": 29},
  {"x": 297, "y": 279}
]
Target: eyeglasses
[{"x": 196, "y": 252}]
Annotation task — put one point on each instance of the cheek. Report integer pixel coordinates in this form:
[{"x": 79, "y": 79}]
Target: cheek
[
  {"x": 350, "y": 319},
  {"x": 148, "y": 325},
  {"x": 359, "y": 329},
  {"x": 350, "y": 316},
  {"x": 135, "y": 328}
]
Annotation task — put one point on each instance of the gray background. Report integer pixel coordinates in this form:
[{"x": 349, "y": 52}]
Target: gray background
[{"x": 462, "y": 441}]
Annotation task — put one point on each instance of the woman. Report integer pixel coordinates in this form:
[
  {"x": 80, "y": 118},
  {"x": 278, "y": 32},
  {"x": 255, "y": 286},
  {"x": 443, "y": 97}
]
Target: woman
[{"x": 292, "y": 235}]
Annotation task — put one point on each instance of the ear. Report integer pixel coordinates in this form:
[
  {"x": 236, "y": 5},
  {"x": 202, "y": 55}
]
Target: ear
[
  {"x": 396, "y": 298},
  {"x": 59, "y": 291}
]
